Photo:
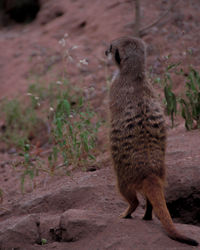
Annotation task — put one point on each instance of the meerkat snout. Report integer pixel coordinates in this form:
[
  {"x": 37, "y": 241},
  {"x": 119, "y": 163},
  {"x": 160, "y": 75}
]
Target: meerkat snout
[
  {"x": 113, "y": 54},
  {"x": 108, "y": 53},
  {"x": 109, "y": 50}
]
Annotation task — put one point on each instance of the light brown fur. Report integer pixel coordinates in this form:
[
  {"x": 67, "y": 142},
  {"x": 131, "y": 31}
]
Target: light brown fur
[{"x": 138, "y": 135}]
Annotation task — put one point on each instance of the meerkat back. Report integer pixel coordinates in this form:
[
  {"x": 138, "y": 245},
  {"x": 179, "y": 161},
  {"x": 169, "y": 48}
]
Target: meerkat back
[{"x": 137, "y": 135}]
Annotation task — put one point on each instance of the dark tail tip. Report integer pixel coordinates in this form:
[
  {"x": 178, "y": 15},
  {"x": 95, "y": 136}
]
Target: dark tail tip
[
  {"x": 192, "y": 242},
  {"x": 186, "y": 240}
]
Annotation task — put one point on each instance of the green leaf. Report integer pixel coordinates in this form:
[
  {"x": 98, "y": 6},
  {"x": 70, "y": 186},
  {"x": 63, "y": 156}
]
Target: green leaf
[
  {"x": 171, "y": 102},
  {"x": 173, "y": 65},
  {"x": 92, "y": 157},
  {"x": 43, "y": 241},
  {"x": 67, "y": 106}
]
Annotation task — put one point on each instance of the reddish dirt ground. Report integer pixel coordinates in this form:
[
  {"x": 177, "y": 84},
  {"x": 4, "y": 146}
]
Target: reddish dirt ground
[{"x": 33, "y": 50}]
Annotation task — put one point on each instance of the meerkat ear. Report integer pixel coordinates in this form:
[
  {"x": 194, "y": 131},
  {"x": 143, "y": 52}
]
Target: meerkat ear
[{"x": 117, "y": 56}]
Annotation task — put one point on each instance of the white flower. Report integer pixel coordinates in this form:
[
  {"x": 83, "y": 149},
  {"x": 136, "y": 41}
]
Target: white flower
[
  {"x": 71, "y": 116},
  {"x": 29, "y": 94},
  {"x": 84, "y": 61},
  {"x": 59, "y": 82},
  {"x": 74, "y": 47},
  {"x": 51, "y": 109},
  {"x": 62, "y": 42},
  {"x": 66, "y": 35},
  {"x": 36, "y": 98},
  {"x": 70, "y": 58},
  {"x": 38, "y": 104}
]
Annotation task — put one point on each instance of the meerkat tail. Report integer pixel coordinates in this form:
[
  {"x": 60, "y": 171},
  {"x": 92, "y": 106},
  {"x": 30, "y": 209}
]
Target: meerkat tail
[{"x": 153, "y": 189}]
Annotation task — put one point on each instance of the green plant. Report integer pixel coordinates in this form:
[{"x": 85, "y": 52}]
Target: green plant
[
  {"x": 170, "y": 97},
  {"x": 73, "y": 128},
  {"x": 30, "y": 168},
  {"x": 74, "y": 134},
  {"x": 190, "y": 105},
  {"x": 171, "y": 103},
  {"x": 189, "y": 102},
  {"x": 19, "y": 120},
  {"x": 43, "y": 241},
  {"x": 67, "y": 119}
]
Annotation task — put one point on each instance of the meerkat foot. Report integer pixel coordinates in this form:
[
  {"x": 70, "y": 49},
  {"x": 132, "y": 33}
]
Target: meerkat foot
[
  {"x": 127, "y": 213},
  {"x": 147, "y": 217},
  {"x": 127, "y": 216},
  {"x": 148, "y": 212}
]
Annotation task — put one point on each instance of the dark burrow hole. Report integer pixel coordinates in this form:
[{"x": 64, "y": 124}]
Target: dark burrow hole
[
  {"x": 92, "y": 169},
  {"x": 59, "y": 13},
  {"x": 56, "y": 234},
  {"x": 186, "y": 210},
  {"x": 82, "y": 24},
  {"x": 21, "y": 11}
]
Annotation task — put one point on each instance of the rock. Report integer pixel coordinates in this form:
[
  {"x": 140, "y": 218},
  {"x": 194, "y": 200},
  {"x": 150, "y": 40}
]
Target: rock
[
  {"x": 118, "y": 234},
  {"x": 78, "y": 223},
  {"x": 19, "y": 231},
  {"x": 183, "y": 170},
  {"x": 60, "y": 200}
]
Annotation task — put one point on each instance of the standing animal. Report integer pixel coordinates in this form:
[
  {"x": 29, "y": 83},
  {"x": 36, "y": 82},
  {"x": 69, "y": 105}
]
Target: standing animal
[{"x": 138, "y": 135}]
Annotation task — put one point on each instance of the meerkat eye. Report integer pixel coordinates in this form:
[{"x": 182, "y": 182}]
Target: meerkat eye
[{"x": 117, "y": 57}]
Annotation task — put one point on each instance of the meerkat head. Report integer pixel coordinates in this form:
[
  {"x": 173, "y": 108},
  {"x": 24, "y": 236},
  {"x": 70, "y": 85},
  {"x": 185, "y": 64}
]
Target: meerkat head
[{"x": 128, "y": 53}]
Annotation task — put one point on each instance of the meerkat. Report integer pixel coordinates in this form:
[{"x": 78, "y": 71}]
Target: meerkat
[{"x": 138, "y": 135}]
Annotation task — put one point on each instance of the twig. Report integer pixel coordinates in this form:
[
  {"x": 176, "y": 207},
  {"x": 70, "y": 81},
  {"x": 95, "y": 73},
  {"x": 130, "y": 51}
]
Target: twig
[
  {"x": 143, "y": 30},
  {"x": 16, "y": 163},
  {"x": 3, "y": 208},
  {"x": 137, "y": 18},
  {"x": 60, "y": 165}
]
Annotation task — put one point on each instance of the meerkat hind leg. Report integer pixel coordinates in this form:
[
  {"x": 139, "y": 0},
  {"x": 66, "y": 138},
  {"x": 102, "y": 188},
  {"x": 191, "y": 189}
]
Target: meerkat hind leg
[
  {"x": 148, "y": 212},
  {"x": 132, "y": 199}
]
